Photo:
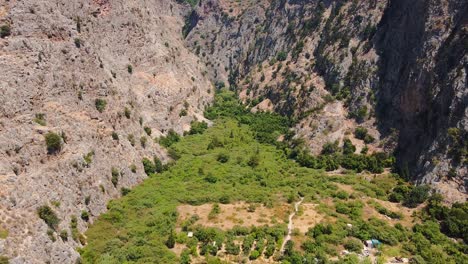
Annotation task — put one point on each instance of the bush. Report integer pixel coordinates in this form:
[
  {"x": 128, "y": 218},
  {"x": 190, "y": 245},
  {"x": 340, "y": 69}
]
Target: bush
[
  {"x": 254, "y": 255},
  {"x": 416, "y": 196},
  {"x": 100, "y": 104},
  {"x": 115, "y": 176},
  {"x": 77, "y": 42},
  {"x": 131, "y": 139},
  {"x": 223, "y": 157},
  {"x": 64, "y": 235},
  {"x": 330, "y": 148},
  {"x": 124, "y": 191},
  {"x": 348, "y": 147},
  {"x": 353, "y": 244},
  {"x": 148, "y": 166},
  {"x": 159, "y": 167},
  {"x": 170, "y": 242},
  {"x": 130, "y": 69},
  {"x": 360, "y": 132},
  {"x": 282, "y": 56},
  {"x": 127, "y": 113},
  {"x": 53, "y": 142},
  {"x": 171, "y": 138},
  {"x": 254, "y": 161},
  {"x": 5, "y": 31},
  {"x": 85, "y": 215},
  {"x": 198, "y": 127},
  {"x": 147, "y": 130},
  {"x": 183, "y": 112},
  {"x": 115, "y": 136},
  {"x": 211, "y": 178},
  {"x": 143, "y": 141},
  {"x": 87, "y": 200},
  {"x": 49, "y": 216}
]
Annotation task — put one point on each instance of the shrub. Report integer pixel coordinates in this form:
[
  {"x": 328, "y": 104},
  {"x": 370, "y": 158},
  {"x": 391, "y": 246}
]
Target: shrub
[
  {"x": 348, "y": 147},
  {"x": 330, "y": 148},
  {"x": 254, "y": 255},
  {"x": 399, "y": 193},
  {"x": 5, "y": 31},
  {"x": 124, "y": 191},
  {"x": 115, "y": 136},
  {"x": 369, "y": 139},
  {"x": 88, "y": 158},
  {"x": 77, "y": 42},
  {"x": 215, "y": 210},
  {"x": 170, "y": 242},
  {"x": 353, "y": 244},
  {"x": 87, "y": 200},
  {"x": 225, "y": 199},
  {"x": 130, "y": 69},
  {"x": 282, "y": 56},
  {"x": 223, "y": 157},
  {"x": 143, "y": 141},
  {"x": 171, "y": 138},
  {"x": 53, "y": 142},
  {"x": 127, "y": 113},
  {"x": 115, "y": 176},
  {"x": 198, "y": 127},
  {"x": 183, "y": 112},
  {"x": 360, "y": 132},
  {"x": 131, "y": 139},
  {"x": 49, "y": 216},
  {"x": 254, "y": 161},
  {"x": 100, "y": 104},
  {"x": 232, "y": 248},
  {"x": 147, "y": 130},
  {"x": 85, "y": 215},
  {"x": 148, "y": 166},
  {"x": 64, "y": 235},
  {"x": 416, "y": 196},
  {"x": 50, "y": 233},
  {"x": 211, "y": 178}
]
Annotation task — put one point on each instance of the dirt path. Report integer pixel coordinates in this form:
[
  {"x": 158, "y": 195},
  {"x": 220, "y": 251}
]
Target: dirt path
[{"x": 290, "y": 224}]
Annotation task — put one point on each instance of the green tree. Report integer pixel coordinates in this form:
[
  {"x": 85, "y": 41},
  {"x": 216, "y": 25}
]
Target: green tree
[
  {"x": 148, "y": 166},
  {"x": 416, "y": 196},
  {"x": 348, "y": 147},
  {"x": 170, "y": 242},
  {"x": 53, "y": 142}
]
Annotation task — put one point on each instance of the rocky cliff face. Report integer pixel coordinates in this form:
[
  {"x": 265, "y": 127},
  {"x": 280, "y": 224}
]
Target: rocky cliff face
[
  {"x": 60, "y": 57},
  {"x": 395, "y": 67},
  {"x": 423, "y": 89}
]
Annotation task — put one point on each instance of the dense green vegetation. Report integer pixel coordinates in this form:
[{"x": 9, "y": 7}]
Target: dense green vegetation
[{"x": 239, "y": 159}]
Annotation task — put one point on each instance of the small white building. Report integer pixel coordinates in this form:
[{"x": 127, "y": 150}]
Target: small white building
[{"x": 190, "y": 234}]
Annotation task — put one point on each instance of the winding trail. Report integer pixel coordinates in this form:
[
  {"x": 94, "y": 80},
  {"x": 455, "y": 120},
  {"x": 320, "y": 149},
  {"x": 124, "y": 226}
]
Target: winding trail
[{"x": 290, "y": 224}]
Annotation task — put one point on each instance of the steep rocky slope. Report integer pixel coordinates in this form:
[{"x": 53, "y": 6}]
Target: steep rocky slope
[
  {"x": 395, "y": 67},
  {"x": 58, "y": 59}
]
